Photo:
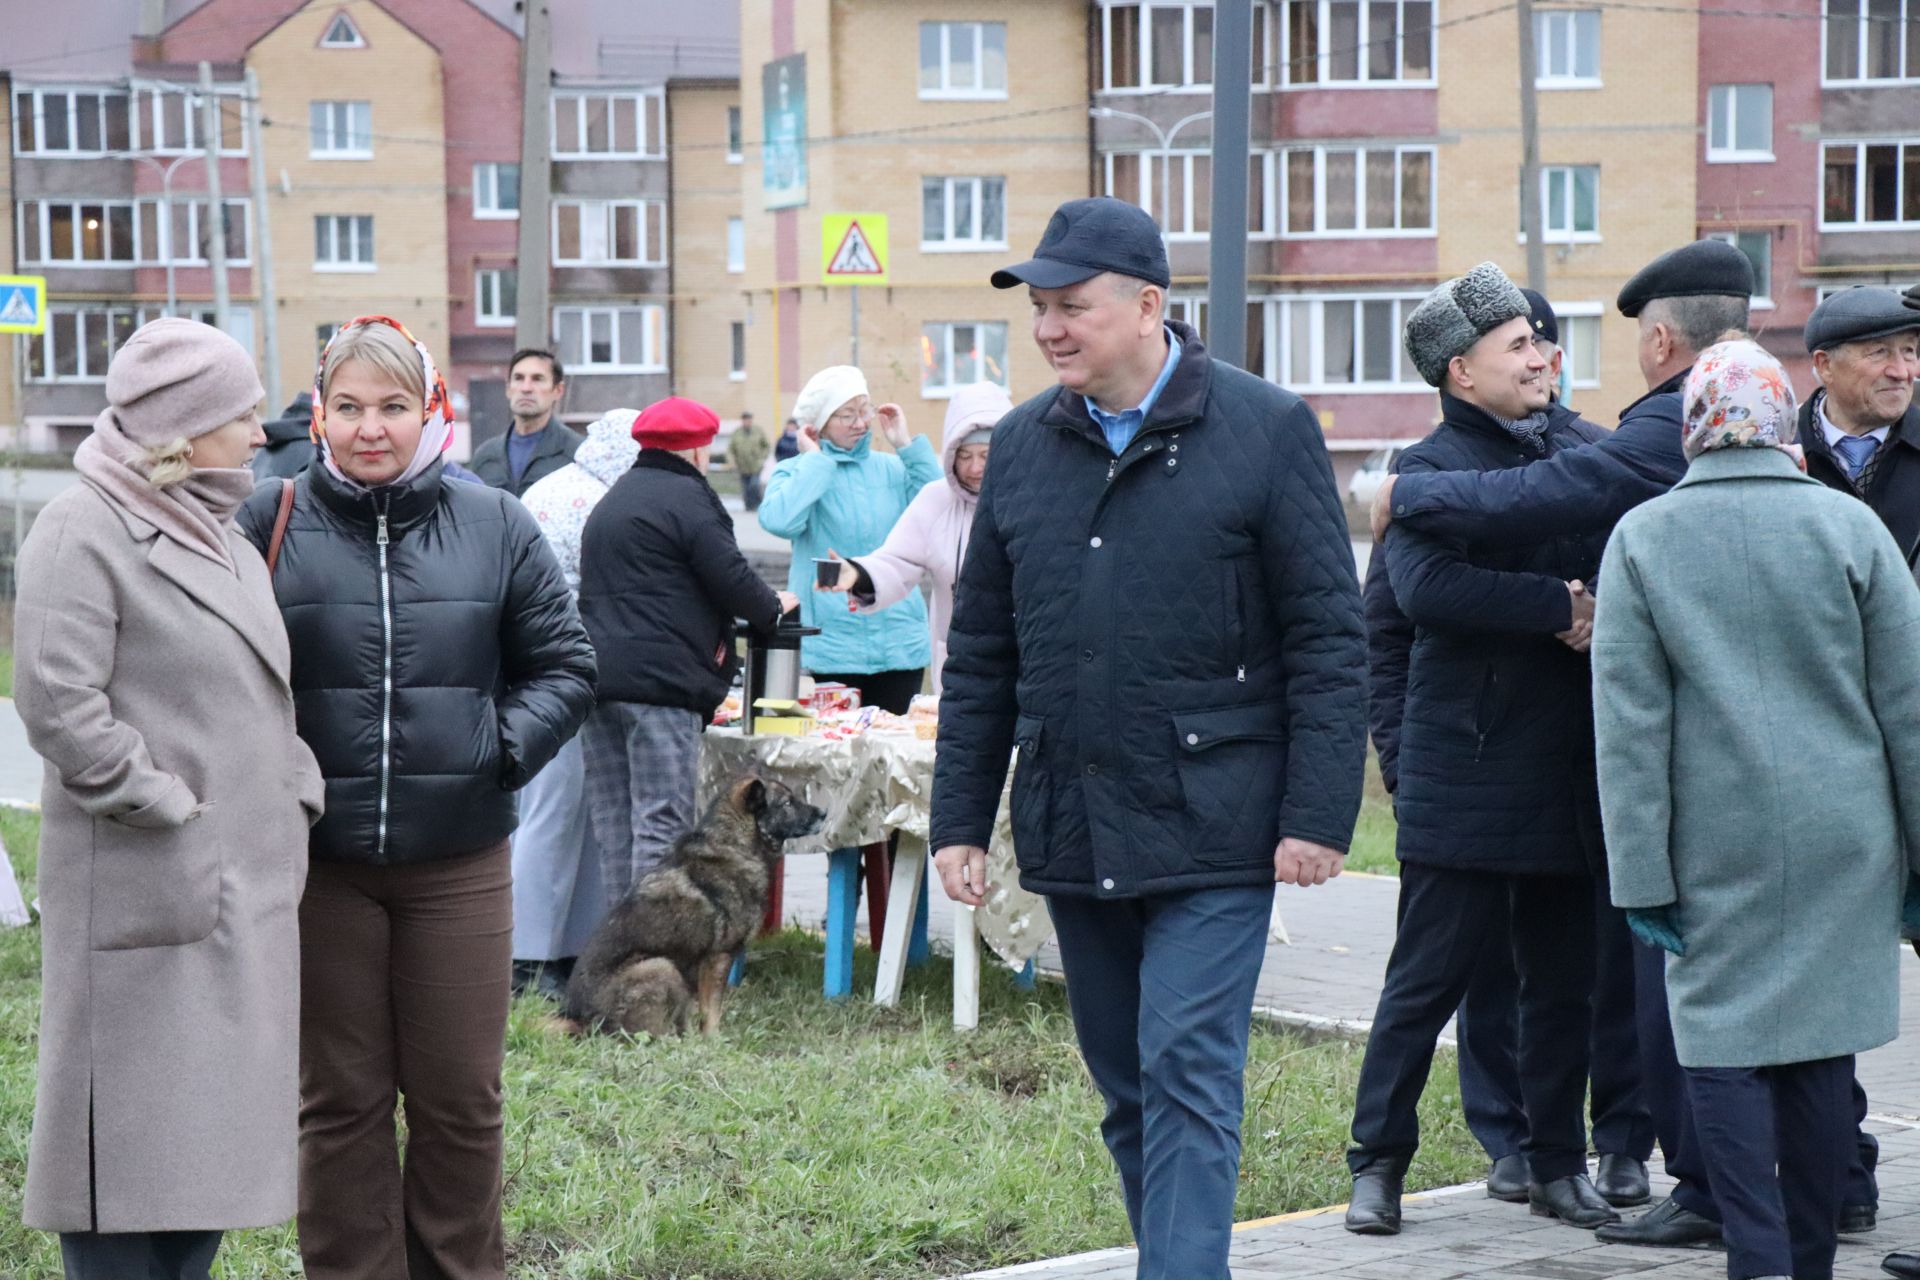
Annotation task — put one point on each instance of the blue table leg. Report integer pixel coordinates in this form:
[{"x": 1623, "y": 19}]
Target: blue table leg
[
  {"x": 1024, "y": 978},
  {"x": 739, "y": 970},
  {"x": 843, "y": 888},
  {"x": 919, "y": 950}
]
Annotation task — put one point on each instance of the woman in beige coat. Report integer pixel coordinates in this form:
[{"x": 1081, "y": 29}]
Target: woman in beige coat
[{"x": 151, "y": 673}]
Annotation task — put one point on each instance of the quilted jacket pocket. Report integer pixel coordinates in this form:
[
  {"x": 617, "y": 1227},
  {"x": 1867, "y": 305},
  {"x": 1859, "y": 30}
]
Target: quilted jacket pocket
[
  {"x": 1233, "y": 766},
  {"x": 1032, "y": 803}
]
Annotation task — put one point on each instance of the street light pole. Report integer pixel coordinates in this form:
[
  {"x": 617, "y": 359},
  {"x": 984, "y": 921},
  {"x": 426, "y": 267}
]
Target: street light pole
[
  {"x": 166, "y": 213},
  {"x": 1164, "y": 137}
]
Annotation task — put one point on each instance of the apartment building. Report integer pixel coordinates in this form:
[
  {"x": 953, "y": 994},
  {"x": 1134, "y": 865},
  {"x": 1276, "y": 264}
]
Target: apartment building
[
  {"x": 14, "y": 345},
  {"x": 709, "y": 316},
  {"x": 965, "y": 128}
]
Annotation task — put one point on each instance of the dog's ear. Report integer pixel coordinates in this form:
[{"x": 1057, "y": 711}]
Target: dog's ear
[{"x": 750, "y": 794}]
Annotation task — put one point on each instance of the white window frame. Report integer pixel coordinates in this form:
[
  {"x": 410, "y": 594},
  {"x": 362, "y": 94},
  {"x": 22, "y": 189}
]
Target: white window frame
[
  {"x": 486, "y": 192},
  {"x": 1910, "y": 74},
  {"x": 333, "y": 143},
  {"x": 1550, "y": 235},
  {"x": 1159, "y": 190},
  {"x": 736, "y": 246},
  {"x": 979, "y": 91},
  {"x": 651, "y": 255},
  {"x": 487, "y": 313},
  {"x": 1320, "y": 230},
  {"x": 650, "y": 115},
  {"x": 1569, "y": 313},
  {"x": 651, "y": 329},
  {"x": 36, "y": 94},
  {"x": 1762, "y": 299},
  {"x": 148, "y": 250},
  {"x": 148, "y": 127},
  {"x": 937, "y": 336},
  {"x": 736, "y": 136},
  {"x": 1860, "y": 146},
  {"x": 239, "y": 317},
  {"x": 351, "y": 244},
  {"x": 974, "y": 189},
  {"x": 326, "y": 37},
  {"x": 1278, "y": 321},
  {"x": 1562, "y": 26},
  {"x": 736, "y": 351},
  {"x": 1730, "y": 153},
  {"x": 1264, "y": 19},
  {"x": 1284, "y": 24}
]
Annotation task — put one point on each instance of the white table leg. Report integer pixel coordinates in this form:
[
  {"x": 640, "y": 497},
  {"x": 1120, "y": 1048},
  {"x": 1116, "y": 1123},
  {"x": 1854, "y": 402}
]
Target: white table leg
[
  {"x": 909, "y": 869},
  {"x": 966, "y": 968}
]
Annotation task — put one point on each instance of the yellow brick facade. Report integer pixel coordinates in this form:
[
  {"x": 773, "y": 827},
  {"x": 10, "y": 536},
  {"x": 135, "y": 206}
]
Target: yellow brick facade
[
  {"x": 863, "y": 90},
  {"x": 707, "y": 298},
  {"x": 401, "y": 186},
  {"x": 1636, "y": 127},
  {"x": 13, "y": 347}
]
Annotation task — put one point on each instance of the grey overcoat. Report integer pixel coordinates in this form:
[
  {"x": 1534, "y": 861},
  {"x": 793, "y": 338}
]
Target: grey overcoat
[
  {"x": 173, "y": 852},
  {"x": 1756, "y": 666}
]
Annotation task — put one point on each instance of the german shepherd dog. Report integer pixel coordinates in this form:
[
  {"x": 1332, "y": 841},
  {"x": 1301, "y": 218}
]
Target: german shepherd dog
[{"x": 669, "y": 943}]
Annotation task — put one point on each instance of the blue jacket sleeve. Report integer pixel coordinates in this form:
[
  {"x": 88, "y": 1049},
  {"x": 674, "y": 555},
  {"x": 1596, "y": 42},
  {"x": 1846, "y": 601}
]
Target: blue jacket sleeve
[
  {"x": 797, "y": 483},
  {"x": 1389, "y": 650},
  {"x": 922, "y": 463},
  {"x": 1582, "y": 490}
]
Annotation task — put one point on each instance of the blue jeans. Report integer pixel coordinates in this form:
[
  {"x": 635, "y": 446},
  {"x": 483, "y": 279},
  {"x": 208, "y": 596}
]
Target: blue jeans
[{"x": 1162, "y": 990}]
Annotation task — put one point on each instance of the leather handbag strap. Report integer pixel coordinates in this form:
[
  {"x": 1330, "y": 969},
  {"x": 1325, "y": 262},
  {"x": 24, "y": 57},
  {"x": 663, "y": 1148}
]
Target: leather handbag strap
[{"x": 280, "y": 525}]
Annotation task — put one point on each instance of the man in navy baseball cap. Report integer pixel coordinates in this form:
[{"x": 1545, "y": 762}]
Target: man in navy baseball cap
[{"x": 1088, "y": 237}]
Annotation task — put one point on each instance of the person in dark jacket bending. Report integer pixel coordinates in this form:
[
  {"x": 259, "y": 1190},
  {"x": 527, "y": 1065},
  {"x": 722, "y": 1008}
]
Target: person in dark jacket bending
[
  {"x": 1158, "y": 607},
  {"x": 1497, "y": 806},
  {"x": 438, "y": 663},
  {"x": 661, "y": 582}
]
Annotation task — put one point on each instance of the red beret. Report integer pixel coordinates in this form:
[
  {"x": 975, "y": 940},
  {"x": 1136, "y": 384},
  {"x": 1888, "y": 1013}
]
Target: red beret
[{"x": 675, "y": 423}]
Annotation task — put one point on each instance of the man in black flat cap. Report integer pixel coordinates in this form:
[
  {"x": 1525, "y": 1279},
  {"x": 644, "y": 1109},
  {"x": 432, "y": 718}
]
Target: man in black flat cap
[
  {"x": 1860, "y": 430},
  {"x": 1159, "y": 609}
]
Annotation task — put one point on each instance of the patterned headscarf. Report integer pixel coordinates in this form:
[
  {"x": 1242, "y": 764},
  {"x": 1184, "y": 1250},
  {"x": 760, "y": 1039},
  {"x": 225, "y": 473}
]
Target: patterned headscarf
[
  {"x": 1738, "y": 397},
  {"x": 436, "y": 414}
]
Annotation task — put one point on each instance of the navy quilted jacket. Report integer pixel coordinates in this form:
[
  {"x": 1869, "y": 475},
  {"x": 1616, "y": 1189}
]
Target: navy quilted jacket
[
  {"x": 1172, "y": 637},
  {"x": 1495, "y": 758}
]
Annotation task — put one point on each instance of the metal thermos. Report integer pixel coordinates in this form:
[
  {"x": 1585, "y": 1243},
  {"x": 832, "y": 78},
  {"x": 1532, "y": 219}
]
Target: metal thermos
[{"x": 773, "y": 665}]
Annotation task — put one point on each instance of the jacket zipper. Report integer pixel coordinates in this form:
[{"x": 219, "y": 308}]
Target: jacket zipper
[
  {"x": 1481, "y": 711},
  {"x": 1240, "y": 609},
  {"x": 386, "y": 676}
]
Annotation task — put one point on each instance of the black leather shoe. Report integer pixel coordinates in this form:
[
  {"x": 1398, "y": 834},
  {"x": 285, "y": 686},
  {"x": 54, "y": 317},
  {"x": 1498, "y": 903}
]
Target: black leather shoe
[
  {"x": 1902, "y": 1264},
  {"x": 1507, "y": 1180},
  {"x": 1665, "y": 1226},
  {"x": 1572, "y": 1200},
  {"x": 1622, "y": 1181},
  {"x": 1374, "y": 1209},
  {"x": 1858, "y": 1219}
]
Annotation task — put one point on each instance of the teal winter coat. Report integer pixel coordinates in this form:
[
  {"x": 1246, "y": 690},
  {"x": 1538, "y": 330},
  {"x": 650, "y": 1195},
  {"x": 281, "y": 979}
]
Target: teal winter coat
[{"x": 846, "y": 501}]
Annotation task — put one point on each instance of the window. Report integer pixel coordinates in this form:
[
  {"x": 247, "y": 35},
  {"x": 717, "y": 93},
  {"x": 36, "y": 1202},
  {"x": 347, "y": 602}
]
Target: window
[
  {"x": 956, "y": 355},
  {"x": 736, "y": 245},
  {"x": 1191, "y": 311},
  {"x": 1176, "y": 187},
  {"x": 1346, "y": 191},
  {"x": 1872, "y": 40},
  {"x": 188, "y": 239},
  {"x": 496, "y": 191},
  {"x": 1566, "y": 48},
  {"x": 611, "y": 339},
  {"x": 496, "y": 297},
  {"x": 1569, "y": 203},
  {"x": 593, "y": 232},
  {"x": 343, "y": 242},
  {"x": 1870, "y": 184},
  {"x": 61, "y": 232},
  {"x": 1739, "y": 123},
  {"x": 733, "y": 135},
  {"x": 80, "y": 340},
  {"x": 166, "y": 121},
  {"x": 1758, "y": 246},
  {"x": 1160, "y": 44},
  {"x": 340, "y": 130},
  {"x": 1579, "y": 342},
  {"x": 1338, "y": 343},
  {"x": 1344, "y": 42},
  {"x": 71, "y": 122},
  {"x": 342, "y": 34},
  {"x": 608, "y": 126},
  {"x": 963, "y": 213},
  {"x": 963, "y": 60},
  {"x": 737, "y": 344}
]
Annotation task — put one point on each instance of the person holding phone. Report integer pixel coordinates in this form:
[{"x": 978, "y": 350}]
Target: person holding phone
[{"x": 837, "y": 495}]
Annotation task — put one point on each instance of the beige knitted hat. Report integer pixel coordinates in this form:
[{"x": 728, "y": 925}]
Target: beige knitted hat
[{"x": 177, "y": 377}]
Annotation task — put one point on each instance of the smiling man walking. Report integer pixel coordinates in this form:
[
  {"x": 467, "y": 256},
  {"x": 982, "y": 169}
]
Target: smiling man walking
[{"x": 1158, "y": 607}]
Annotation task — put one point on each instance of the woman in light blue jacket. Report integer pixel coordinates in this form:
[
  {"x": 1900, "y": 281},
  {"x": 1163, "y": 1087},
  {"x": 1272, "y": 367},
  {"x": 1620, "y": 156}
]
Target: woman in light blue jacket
[{"x": 838, "y": 495}]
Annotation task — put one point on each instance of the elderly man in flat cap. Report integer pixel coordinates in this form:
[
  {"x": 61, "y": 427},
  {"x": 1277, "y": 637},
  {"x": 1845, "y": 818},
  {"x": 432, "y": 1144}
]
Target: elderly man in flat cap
[
  {"x": 1860, "y": 429},
  {"x": 1497, "y": 802}
]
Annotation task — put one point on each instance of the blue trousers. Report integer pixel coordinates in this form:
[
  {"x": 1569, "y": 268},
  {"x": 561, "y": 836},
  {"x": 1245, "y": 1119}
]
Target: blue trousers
[
  {"x": 1161, "y": 991},
  {"x": 1778, "y": 1140}
]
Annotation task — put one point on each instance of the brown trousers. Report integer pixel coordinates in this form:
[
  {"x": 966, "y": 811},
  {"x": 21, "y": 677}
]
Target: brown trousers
[{"x": 404, "y": 985}]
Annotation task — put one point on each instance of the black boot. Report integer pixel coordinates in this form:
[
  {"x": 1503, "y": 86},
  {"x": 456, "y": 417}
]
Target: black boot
[
  {"x": 1374, "y": 1209},
  {"x": 1665, "y": 1226},
  {"x": 1622, "y": 1181},
  {"x": 1858, "y": 1219},
  {"x": 1572, "y": 1200},
  {"x": 1507, "y": 1180},
  {"x": 1905, "y": 1265}
]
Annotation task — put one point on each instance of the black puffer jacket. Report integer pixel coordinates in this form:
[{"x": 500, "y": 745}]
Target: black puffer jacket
[
  {"x": 1173, "y": 637},
  {"x": 466, "y": 610},
  {"x": 661, "y": 581},
  {"x": 1495, "y": 759}
]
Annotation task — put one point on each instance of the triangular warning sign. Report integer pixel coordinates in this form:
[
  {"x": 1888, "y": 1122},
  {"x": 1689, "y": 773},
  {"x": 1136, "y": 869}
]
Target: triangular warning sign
[
  {"x": 855, "y": 256},
  {"x": 17, "y": 309}
]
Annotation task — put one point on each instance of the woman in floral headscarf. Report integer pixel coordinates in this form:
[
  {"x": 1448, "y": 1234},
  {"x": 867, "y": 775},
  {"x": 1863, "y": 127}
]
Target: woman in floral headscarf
[
  {"x": 438, "y": 663},
  {"x": 1756, "y": 663}
]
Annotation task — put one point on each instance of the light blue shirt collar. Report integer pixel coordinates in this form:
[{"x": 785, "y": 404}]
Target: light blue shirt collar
[{"x": 1121, "y": 428}]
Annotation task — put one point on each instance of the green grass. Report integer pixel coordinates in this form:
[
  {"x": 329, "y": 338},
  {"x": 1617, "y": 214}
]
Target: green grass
[{"x": 807, "y": 1141}]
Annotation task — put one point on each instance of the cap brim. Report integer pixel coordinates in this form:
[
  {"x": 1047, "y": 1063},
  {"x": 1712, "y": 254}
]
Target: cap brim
[
  {"x": 1043, "y": 273},
  {"x": 1884, "y": 331}
]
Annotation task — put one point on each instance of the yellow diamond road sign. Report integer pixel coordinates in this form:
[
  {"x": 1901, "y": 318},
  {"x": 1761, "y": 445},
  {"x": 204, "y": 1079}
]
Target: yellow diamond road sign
[
  {"x": 853, "y": 248},
  {"x": 23, "y": 304}
]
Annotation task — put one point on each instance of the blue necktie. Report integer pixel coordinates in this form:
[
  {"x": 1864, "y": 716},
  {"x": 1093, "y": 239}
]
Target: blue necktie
[{"x": 1855, "y": 452}]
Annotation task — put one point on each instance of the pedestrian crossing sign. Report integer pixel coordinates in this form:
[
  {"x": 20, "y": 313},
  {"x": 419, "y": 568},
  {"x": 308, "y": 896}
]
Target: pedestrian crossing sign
[
  {"x": 23, "y": 304},
  {"x": 853, "y": 248}
]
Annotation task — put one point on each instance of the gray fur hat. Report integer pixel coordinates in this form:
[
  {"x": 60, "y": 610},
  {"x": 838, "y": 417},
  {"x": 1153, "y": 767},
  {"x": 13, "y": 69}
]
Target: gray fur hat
[{"x": 1457, "y": 314}]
